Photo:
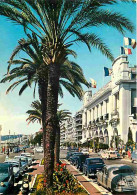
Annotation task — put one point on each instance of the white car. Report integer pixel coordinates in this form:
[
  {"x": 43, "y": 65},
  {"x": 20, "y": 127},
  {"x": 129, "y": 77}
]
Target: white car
[
  {"x": 40, "y": 149},
  {"x": 28, "y": 156},
  {"x": 109, "y": 154},
  {"x": 16, "y": 167},
  {"x": 85, "y": 151}
]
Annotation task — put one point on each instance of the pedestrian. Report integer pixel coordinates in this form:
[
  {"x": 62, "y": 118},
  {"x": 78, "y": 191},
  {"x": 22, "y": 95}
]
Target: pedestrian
[
  {"x": 8, "y": 152},
  {"x": 24, "y": 150}
]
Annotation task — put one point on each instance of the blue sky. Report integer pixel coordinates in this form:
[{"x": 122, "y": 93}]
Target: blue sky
[{"x": 13, "y": 107}]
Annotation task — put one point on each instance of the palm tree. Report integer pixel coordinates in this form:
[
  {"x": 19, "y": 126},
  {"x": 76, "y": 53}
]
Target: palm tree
[
  {"x": 62, "y": 115},
  {"x": 35, "y": 115},
  {"x": 59, "y": 24},
  {"x": 27, "y": 71}
]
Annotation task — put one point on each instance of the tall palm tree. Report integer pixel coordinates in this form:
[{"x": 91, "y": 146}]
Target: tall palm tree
[
  {"x": 35, "y": 115},
  {"x": 27, "y": 71},
  {"x": 59, "y": 24}
]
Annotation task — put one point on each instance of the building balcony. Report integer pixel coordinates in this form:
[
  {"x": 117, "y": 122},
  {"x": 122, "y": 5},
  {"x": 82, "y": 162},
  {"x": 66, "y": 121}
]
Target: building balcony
[
  {"x": 77, "y": 119},
  {"x": 78, "y": 125}
]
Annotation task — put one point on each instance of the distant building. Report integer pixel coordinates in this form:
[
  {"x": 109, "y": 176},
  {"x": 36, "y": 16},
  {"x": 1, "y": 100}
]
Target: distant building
[{"x": 112, "y": 110}]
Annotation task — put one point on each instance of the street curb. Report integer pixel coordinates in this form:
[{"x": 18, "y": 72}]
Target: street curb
[
  {"x": 33, "y": 183},
  {"x": 92, "y": 183},
  {"x": 78, "y": 181}
]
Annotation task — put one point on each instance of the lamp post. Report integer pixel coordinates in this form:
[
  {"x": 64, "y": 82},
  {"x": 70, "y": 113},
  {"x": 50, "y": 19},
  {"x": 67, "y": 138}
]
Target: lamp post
[
  {"x": 0, "y": 135},
  {"x": 9, "y": 140}
]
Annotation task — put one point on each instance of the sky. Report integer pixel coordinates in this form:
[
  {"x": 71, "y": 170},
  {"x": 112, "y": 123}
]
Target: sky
[{"x": 13, "y": 107}]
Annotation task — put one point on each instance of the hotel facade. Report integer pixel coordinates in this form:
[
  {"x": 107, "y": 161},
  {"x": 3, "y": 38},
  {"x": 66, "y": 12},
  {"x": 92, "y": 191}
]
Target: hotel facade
[{"x": 112, "y": 110}]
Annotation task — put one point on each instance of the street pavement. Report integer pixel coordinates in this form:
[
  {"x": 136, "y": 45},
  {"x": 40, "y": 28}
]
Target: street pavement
[
  {"x": 86, "y": 182},
  {"x": 63, "y": 154},
  {"x": 18, "y": 184},
  {"x": 93, "y": 181}
]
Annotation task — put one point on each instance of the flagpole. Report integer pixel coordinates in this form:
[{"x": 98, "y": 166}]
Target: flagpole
[{"x": 103, "y": 77}]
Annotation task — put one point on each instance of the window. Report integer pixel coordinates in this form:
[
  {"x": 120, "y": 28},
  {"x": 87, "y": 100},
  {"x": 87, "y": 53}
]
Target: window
[
  {"x": 133, "y": 96},
  {"x": 122, "y": 171},
  {"x": 95, "y": 161},
  {"x": 133, "y": 76}
]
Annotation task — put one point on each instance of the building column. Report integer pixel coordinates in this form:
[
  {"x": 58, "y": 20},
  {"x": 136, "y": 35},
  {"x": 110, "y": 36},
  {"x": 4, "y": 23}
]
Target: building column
[{"x": 124, "y": 108}]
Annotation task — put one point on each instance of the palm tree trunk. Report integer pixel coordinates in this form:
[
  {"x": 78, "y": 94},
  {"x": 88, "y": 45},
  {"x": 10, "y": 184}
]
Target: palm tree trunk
[
  {"x": 51, "y": 119},
  {"x": 43, "y": 98},
  {"x": 57, "y": 145}
]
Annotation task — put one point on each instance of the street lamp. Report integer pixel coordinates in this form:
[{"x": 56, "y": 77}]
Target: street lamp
[{"x": 0, "y": 135}]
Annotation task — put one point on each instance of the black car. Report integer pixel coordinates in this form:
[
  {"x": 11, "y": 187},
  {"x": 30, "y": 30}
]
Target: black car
[
  {"x": 80, "y": 161},
  {"x": 6, "y": 178},
  {"x": 69, "y": 154},
  {"x": 92, "y": 165},
  {"x": 74, "y": 157}
]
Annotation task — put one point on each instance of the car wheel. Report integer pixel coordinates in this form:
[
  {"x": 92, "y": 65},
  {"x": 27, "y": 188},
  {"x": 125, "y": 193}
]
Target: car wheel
[{"x": 98, "y": 182}]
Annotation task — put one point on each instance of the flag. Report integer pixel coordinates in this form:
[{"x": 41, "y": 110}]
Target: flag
[
  {"x": 133, "y": 43},
  {"x": 107, "y": 71},
  {"x": 93, "y": 83},
  {"x": 125, "y": 51},
  {"x": 129, "y": 41}
]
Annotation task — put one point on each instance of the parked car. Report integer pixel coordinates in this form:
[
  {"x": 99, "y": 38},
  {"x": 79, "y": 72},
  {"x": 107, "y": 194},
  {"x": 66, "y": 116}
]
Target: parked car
[
  {"x": 16, "y": 149},
  {"x": 85, "y": 151},
  {"x": 16, "y": 168},
  {"x": 92, "y": 165},
  {"x": 118, "y": 178},
  {"x": 74, "y": 157},
  {"x": 6, "y": 178},
  {"x": 28, "y": 156},
  {"x": 80, "y": 161},
  {"x": 39, "y": 149},
  {"x": 134, "y": 156},
  {"x": 69, "y": 154},
  {"x": 24, "y": 162},
  {"x": 109, "y": 154}
]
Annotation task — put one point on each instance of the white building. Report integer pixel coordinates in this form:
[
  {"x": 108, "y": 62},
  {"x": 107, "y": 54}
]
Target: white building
[
  {"x": 71, "y": 129},
  {"x": 112, "y": 110}
]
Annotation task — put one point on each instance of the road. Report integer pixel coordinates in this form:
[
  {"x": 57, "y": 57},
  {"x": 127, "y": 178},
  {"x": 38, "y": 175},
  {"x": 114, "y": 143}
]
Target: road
[
  {"x": 108, "y": 162},
  {"x": 93, "y": 181},
  {"x": 63, "y": 153},
  {"x": 18, "y": 184}
]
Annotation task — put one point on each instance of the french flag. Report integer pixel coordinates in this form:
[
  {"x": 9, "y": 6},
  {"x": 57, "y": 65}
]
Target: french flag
[
  {"x": 129, "y": 41},
  {"x": 126, "y": 51}
]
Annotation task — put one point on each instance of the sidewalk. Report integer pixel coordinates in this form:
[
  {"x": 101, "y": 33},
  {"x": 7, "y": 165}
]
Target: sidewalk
[{"x": 86, "y": 184}]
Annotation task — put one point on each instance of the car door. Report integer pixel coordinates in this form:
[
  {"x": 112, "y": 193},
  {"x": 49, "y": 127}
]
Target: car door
[
  {"x": 84, "y": 167},
  {"x": 100, "y": 176},
  {"x": 105, "y": 177}
]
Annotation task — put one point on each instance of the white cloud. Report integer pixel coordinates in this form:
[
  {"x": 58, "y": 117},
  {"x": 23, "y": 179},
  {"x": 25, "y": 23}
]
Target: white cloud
[{"x": 11, "y": 118}]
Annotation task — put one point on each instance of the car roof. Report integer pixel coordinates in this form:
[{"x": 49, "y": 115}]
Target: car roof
[
  {"x": 119, "y": 166},
  {"x": 95, "y": 158},
  {"x": 5, "y": 165},
  {"x": 11, "y": 161}
]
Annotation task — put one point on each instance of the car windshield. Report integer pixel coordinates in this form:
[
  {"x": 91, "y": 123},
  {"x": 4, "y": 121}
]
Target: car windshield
[
  {"x": 3, "y": 170},
  {"x": 112, "y": 153},
  {"x": 122, "y": 171},
  {"x": 95, "y": 161}
]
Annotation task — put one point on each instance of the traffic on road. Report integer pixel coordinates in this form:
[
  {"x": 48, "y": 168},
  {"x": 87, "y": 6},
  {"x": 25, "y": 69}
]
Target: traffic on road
[
  {"x": 14, "y": 170},
  {"x": 107, "y": 168}
]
